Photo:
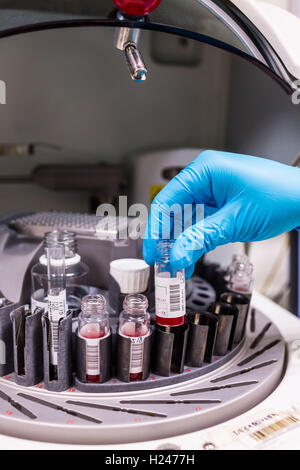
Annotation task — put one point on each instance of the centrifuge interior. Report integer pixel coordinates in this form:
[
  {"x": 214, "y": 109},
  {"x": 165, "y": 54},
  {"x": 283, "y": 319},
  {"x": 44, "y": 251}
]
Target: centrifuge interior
[{"x": 76, "y": 131}]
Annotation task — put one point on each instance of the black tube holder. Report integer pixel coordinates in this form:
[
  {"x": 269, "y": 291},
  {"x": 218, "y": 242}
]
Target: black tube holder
[
  {"x": 124, "y": 353},
  {"x": 28, "y": 345},
  {"x": 169, "y": 349},
  {"x": 64, "y": 355},
  {"x": 105, "y": 355},
  {"x": 227, "y": 315}
]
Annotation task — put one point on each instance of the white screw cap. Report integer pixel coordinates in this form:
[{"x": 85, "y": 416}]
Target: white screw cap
[{"x": 132, "y": 275}]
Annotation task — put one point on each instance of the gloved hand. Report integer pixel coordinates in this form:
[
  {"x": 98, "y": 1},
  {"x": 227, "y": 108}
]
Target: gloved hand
[{"x": 245, "y": 199}]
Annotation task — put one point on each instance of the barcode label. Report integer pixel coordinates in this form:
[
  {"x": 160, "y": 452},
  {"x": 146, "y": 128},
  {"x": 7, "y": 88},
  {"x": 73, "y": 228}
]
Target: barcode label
[
  {"x": 170, "y": 296},
  {"x": 54, "y": 329},
  {"x": 274, "y": 428},
  {"x": 57, "y": 309},
  {"x": 136, "y": 355},
  {"x": 92, "y": 356},
  {"x": 174, "y": 298}
]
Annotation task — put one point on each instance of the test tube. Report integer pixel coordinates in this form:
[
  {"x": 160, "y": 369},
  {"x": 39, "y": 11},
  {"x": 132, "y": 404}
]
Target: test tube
[
  {"x": 134, "y": 324},
  {"x": 57, "y": 300},
  {"x": 93, "y": 324},
  {"x": 169, "y": 288}
]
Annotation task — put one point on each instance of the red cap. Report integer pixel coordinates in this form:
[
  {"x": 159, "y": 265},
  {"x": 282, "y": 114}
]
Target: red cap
[{"x": 137, "y": 7}]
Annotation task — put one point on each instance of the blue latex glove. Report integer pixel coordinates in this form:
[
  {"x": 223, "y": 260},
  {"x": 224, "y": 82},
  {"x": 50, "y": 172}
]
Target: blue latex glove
[{"x": 245, "y": 198}]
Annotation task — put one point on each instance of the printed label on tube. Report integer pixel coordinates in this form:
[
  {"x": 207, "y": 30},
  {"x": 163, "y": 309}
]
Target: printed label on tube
[
  {"x": 57, "y": 309},
  {"x": 170, "y": 296},
  {"x": 136, "y": 355},
  {"x": 92, "y": 356}
]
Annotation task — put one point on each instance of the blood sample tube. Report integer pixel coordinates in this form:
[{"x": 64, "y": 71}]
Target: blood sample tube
[
  {"x": 169, "y": 288},
  {"x": 134, "y": 324},
  {"x": 93, "y": 325},
  {"x": 57, "y": 300}
]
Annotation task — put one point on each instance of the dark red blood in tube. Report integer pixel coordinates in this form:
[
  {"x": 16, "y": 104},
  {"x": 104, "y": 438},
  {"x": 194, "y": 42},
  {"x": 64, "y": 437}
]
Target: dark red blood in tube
[
  {"x": 170, "y": 321},
  {"x": 93, "y": 379},
  {"x": 137, "y": 7},
  {"x": 135, "y": 377}
]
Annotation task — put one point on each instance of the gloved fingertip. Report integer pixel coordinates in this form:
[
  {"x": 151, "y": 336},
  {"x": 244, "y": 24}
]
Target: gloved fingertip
[
  {"x": 149, "y": 251},
  {"x": 178, "y": 258},
  {"x": 189, "y": 271},
  {"x": 180, "y": 263},
  {"x": 177, "y": 251},
  {"x": 182, "y": 256}
]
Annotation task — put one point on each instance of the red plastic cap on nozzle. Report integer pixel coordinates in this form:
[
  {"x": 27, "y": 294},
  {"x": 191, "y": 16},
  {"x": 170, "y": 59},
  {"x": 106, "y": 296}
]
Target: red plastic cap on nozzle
[{"x": 137, "y": 7}]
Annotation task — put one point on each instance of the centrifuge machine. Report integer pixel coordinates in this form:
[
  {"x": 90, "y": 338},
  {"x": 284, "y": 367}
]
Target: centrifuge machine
[{"x": 245, "y": 399}]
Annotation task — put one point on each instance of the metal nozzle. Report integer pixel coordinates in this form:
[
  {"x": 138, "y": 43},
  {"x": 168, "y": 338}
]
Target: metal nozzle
[
  {"x": 126, "y": 39},
  {"x": 137, "y": 68}
]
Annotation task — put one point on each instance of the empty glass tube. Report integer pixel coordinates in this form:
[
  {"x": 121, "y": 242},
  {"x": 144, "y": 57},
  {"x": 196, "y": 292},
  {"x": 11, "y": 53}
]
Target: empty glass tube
[
  {"x": 57, "y": 300},
  {"x": 93, "y": 325},
  {"x": 236, "y": 258},
  {"x": 169, "y": 288},
  {"x": 76, "y": 271},
  {"x": 241, "y": 279},
  {"x": 134, "y": 323}
]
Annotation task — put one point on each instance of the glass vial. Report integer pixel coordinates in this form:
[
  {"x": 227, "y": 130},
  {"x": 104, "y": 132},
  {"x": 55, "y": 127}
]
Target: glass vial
[
  {"x": 134, "y": 324},
  {"x": 57, "y": 300},
  {"x": 241, "y": 279},
  {"x": 93, "y": 325},
  {"x": 76, "y": 271},
  {"x": 236, "y": 258},
  {"x": 170, "y": 295}
]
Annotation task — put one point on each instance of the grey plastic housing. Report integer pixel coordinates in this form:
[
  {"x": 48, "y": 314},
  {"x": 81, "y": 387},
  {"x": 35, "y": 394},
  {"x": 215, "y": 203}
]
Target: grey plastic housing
[
  {"x": 6, "y": 340},
  {"x": 242, "y": 303},
  {"x": 199, "y": 294},
  {"x": 123, "y": 357},
  {"x": 172, "y": 396},
  {"x": 64, "y": 360},
  {"x": 169, "y": 349},
  {"x": 28, "y": 346},
  {"x": 227, "y": 315},
  {"x": 105, "y": 352},
  {"x": 197, "y": 339}
]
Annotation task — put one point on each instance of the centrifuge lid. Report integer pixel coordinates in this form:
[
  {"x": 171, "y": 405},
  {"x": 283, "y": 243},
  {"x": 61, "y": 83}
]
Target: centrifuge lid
[
  {"x": 280, "y": 27},
  {"x": 238, "y": 26}
]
